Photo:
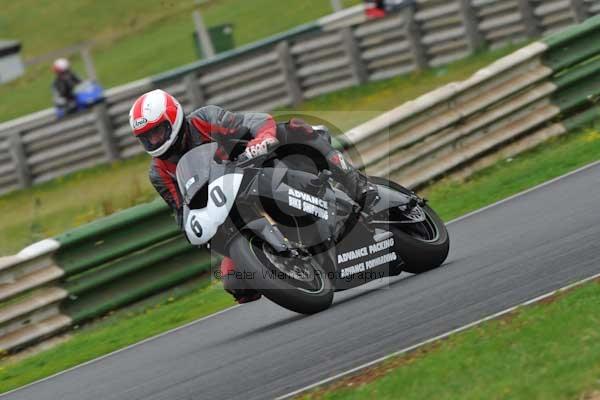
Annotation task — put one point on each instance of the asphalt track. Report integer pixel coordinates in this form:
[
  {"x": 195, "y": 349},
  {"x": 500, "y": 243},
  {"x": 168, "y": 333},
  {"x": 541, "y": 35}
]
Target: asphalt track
[{"x": 500, "y": 257}]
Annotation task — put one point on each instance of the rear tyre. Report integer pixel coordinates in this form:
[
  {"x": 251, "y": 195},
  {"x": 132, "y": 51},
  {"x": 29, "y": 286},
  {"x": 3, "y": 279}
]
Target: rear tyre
[{"x": 301, "y": 285}]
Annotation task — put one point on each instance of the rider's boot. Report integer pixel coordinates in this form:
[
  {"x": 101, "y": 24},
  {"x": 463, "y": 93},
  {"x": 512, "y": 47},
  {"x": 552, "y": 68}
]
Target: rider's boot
[
  {"x": 242, "y": 296},
  {"x": 235, "y": 285},
  {"x": 360, "y": 189}
]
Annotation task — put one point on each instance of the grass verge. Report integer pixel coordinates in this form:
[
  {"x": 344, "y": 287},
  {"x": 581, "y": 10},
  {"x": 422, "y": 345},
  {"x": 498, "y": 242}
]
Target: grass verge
[
  {"x": 538, "y": 338},
  {"x": 48, "y": 209}
]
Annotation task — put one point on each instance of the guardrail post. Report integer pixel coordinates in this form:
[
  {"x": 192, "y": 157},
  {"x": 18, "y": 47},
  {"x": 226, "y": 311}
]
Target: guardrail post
[
  {"x": 17, "y": 151},
  {"x": 288, "y": 67},
  {"x": 413, "y": 34},
  {"x": 580, "y": 10},
  {"x": 194, "y": 91},
  {"x": 359, "y": 70},
  {"x": 105, "y": 129},
  {"x": 471, "y": 23},
  {"x": 530, "y": 20}
]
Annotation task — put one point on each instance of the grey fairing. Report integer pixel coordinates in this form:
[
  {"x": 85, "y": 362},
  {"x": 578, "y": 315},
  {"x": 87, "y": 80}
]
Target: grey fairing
[
  {"x": 389, "y": 198},
  {"x": 194, "y": 170}
]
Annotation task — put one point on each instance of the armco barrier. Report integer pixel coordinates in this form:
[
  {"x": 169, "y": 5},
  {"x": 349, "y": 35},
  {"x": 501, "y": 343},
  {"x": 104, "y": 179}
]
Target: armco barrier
[
  {"x": 514, "y": 104},
  {"x": 540, "y": 91},
  {"x": 337, "y": 51},
  {"x": 88, "y": 271}
]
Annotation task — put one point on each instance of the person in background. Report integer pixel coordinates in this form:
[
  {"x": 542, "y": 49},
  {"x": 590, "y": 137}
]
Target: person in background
[
  {"x": 375, "y": 9},
  {"x": 63, "y": 86},
  {"x": 381, "y": 8}
]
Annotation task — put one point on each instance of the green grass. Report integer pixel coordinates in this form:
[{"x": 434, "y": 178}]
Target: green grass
[
  {"x": 546, "y": 351},
  {"x": 131, "y": 40},
  {"x": 51, "y": 208}
]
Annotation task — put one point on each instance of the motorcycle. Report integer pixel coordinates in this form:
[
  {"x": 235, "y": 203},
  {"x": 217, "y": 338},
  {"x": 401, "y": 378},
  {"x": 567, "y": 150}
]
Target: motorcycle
[{"x": 293, "y": 232}]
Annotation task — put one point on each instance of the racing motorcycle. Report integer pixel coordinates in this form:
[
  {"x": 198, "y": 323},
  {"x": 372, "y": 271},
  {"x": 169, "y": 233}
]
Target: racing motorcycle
[{"x": 294, "y": 233}]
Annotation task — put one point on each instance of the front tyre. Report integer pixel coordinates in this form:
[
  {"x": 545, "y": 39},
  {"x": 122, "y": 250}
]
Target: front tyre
[
  {"x": 298, "y": 284},
  {"x": 425, "y": 245}
]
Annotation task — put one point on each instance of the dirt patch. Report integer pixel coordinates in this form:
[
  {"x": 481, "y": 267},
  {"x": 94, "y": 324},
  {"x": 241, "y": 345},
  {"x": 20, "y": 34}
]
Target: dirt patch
[
  {"x": 33, "y": 350},
  {"x": 595, "y": 395}
]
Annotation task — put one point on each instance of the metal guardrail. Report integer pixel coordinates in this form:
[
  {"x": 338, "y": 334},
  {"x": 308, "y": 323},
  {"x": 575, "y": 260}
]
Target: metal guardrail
[
  {"x": 335, "y": 52},
  {"x": 84, "y": 273},
  {"x": 540, "y": 91}
]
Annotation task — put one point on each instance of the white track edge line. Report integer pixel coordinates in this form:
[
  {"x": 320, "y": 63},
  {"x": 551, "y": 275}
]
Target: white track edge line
[
  {"x": 585, "y": 167},
  {"x": 436, "y": 338},
  {"x": 123, "y": 349}
]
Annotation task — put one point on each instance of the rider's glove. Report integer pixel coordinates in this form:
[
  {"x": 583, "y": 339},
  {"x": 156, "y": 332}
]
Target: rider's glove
[
  {"x": 299, "y": 126},
  {"x": 261, "y": 148}
]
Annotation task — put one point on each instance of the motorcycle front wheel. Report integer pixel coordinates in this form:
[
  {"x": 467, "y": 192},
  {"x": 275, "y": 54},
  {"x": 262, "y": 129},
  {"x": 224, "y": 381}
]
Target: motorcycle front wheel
[
  {"x": 299, "y": 284},
  {"x": 425, "y": 245}
]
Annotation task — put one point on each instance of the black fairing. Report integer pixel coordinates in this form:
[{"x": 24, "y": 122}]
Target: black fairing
[
  {"x": 389, "y": 198},
  {"x": 275, "y": 190}
]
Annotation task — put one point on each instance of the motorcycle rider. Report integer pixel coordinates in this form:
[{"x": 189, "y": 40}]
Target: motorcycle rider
[
  {"x": 63, "y": 86},
  {"x": 158, "y": 122}
]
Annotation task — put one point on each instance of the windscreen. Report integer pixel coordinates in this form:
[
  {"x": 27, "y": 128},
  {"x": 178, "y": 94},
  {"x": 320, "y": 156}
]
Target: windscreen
[{"x": 193, "y": 170}]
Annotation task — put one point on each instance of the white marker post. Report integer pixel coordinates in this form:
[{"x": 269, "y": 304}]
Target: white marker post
[
  {"x": 203, "y": 37},
  {"x": 90, "y": 70}
]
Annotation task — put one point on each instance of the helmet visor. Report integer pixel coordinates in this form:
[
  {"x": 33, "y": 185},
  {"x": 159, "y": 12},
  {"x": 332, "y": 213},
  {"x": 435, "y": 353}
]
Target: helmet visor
[{"x": 156, "y": 137}]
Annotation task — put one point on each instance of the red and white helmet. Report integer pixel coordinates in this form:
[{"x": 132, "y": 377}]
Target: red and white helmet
[
  {"x": 61, "y": 65},
  {"x": 156, "y": 119}
]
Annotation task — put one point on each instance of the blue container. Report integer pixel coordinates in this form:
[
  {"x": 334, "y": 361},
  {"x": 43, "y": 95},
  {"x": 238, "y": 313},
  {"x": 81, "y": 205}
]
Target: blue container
[{"x": 87, "y": 93}]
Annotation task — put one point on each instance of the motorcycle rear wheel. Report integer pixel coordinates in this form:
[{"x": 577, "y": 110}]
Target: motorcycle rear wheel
[{"x": 304, "y": 288}]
